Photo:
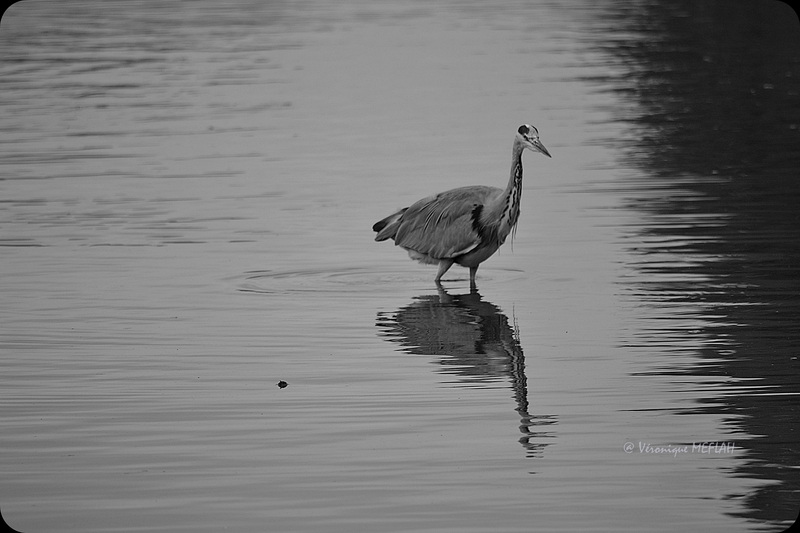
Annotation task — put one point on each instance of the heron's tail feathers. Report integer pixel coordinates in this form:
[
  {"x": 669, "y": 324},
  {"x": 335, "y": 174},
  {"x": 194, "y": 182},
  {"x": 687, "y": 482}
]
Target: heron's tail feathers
[{"x": 387, "y": 228}]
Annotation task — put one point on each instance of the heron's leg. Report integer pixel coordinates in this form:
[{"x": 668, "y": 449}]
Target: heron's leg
[
  {"x": 444, "y": 266},
  {"x": 472, "y": 272}
]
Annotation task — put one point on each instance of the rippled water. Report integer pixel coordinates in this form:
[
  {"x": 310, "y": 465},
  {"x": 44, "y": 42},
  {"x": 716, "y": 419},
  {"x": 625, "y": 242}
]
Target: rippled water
[{"x": 187, "y": 191}]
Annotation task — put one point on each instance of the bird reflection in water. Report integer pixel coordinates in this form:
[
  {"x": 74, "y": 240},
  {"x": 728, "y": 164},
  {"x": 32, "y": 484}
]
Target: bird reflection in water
[{"x": 476, "y": 343}]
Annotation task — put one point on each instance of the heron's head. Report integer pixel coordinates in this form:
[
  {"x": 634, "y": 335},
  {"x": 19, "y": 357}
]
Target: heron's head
[{"x": 528, "y": 136}]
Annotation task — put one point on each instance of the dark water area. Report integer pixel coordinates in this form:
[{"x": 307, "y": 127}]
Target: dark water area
[{"x": 713, "y": 145}]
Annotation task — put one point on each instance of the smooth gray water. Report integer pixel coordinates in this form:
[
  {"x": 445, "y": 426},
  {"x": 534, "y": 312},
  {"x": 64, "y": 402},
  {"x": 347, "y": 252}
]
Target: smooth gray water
[{"x": 186, "y": 196}]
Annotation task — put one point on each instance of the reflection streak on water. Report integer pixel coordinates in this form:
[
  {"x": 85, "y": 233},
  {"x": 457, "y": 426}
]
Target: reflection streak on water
[{"x": 475, "y": 342}]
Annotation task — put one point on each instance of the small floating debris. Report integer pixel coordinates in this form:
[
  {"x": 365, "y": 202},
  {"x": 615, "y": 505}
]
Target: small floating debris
[{"x": 282, "y": 384}]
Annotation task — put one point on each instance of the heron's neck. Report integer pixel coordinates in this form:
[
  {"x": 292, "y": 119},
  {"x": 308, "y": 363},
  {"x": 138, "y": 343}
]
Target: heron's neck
[
  {"x": 504, "y": 211},
  {"x": 515, "y": 179}
]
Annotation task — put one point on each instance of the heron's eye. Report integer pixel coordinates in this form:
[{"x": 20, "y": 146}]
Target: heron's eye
[{"x": 523, "y": 130}]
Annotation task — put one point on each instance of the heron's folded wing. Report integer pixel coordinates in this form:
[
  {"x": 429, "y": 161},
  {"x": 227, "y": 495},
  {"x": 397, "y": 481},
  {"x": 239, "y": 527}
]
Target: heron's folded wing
[{"x": 442, "y": 226}]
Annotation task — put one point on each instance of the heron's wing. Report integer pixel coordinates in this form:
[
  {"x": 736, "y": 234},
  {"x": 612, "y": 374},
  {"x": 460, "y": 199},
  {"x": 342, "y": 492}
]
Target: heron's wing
[
  {"x": 387, "y": 227},
  {"x": 444, "y": 226}
]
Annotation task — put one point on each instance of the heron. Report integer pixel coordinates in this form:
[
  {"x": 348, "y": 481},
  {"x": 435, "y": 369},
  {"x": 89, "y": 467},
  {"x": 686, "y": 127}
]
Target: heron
[{"x": 465, "y": 225}]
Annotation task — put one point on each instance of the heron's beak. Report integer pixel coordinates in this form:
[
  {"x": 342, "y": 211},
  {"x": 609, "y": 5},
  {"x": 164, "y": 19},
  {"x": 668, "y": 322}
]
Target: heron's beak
[{"x": 539, "y": 147}]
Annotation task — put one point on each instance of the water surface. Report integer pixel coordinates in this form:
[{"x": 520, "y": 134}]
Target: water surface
[{"x": 186, "y": 196}]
